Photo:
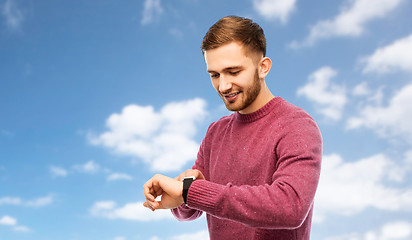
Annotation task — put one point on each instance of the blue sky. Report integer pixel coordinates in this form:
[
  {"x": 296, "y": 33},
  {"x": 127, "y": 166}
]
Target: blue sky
[{"x": 97, "y": 96}]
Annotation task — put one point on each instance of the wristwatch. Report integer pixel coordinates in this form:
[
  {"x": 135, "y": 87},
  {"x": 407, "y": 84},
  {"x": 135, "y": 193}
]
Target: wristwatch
[{"x": 187, "y": 181}]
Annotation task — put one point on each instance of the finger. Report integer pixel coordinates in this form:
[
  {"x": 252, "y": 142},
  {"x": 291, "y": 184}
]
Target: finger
[
  {"x": 147, "y": 205},
  {"x": 158, "y": 192},
  {"x": 155, "y": 205},
  {"x": 148, "y": 190},
  {"x": 149, "y": 196},
  {"x": 186, "y": 173},
  {"x": 198, "y": 174}
]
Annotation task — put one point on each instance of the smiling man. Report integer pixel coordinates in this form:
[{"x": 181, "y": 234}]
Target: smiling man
[
  {"x": 236, "y": 75},
  {"x": 257, "y": 170}
]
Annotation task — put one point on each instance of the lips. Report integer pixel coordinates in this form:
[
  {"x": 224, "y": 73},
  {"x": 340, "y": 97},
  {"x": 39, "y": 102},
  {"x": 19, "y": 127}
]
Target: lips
[{"x": 231, "y": 97}]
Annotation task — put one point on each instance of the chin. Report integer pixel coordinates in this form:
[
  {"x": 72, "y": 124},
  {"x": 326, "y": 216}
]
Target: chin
[{"x": 232, "y": 107}]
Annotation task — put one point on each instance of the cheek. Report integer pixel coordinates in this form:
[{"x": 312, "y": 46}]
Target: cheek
[{"x": 246, "y": 80}]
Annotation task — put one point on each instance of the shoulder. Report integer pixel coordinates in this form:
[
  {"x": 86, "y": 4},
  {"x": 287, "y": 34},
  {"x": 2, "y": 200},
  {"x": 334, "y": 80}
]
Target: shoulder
[
  {"x": 298, "y": 131},
  {"x": 214, "y": 130},
  {"x": 284, "y": 107},
  {"x": 291, "y": 118},
  {"x": 287, "y": 112},
  {"x": 220, "y": 124}
]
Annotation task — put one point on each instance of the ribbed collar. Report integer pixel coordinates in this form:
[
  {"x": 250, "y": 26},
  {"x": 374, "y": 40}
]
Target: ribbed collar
[{"x": 251, "y": 117}]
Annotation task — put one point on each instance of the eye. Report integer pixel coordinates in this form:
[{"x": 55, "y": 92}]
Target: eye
[
  {"x": 214, "y": 75},
  {"x": 234, "y": 73}
]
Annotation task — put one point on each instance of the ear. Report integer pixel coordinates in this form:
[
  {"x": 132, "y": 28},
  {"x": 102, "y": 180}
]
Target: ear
[{"x": 265, "y": 65}]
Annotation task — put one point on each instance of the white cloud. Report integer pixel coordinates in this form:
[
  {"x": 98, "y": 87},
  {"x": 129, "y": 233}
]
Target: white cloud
[
  {"x": 361, "y": 89},
  {"x": 162, "y": 139},
  {"x": 10, "y": 221},
  {"x": 119, "y": 238},
  {"x": 202, "y": 235},
  {"x": 7, "y": 220},
  {"x": 347, "y": 188},
  {"x": 176, "y": 33},
  {"x": 408, "y": 159},
  {"x": 40, "y": 202},
  {"x": 351, "y": 20},
  {"x": 400, "y": 230},
  {"x": 89, "y": 167},
  {"x": 58, "y": 171},
  {"x": 395, "y": 230},
  {"x": 151, "y": 10},
  {"x": 12, "y": 14},
  {"x": 366, "y": 95},
  {"x": 275, "y": 9},
  {"x": 130, "y": 211},
  {"x": 21, "y": 229},
  {"x": 119, "y": 176},
  {"x": 10, "y": 201},
  {"x": 396, "y": 56},
  {"x": 329, "y": 98},
  {"x": 388, "y": 121}
]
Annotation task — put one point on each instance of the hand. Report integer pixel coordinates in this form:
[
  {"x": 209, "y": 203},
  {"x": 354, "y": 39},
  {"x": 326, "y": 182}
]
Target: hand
[
  {"x": 169, "y": 189},
  {"x": 191, "y": 172}
]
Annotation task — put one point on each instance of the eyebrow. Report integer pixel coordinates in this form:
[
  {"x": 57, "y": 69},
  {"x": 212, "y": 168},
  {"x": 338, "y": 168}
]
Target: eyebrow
[{"x": 227, "y": 69}]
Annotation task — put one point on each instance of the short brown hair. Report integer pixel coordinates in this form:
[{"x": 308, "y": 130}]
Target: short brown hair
[{"x": 234, "y": 28}]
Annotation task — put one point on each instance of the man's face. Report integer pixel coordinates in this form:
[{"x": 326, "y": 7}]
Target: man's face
[{"x": 235, "y": 76}]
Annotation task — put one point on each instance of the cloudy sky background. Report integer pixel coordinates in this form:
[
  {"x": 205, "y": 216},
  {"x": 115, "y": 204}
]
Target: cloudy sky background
[{"x": 97, "y": 96}]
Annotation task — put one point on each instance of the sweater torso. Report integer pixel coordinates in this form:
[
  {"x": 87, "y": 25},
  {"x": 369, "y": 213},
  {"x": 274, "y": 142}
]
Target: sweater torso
[{"x": 255, "y": 181}]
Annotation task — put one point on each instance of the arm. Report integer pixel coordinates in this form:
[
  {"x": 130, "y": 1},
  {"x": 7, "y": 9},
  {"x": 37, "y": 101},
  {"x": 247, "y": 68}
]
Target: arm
[{"x": 282, "y": 204}]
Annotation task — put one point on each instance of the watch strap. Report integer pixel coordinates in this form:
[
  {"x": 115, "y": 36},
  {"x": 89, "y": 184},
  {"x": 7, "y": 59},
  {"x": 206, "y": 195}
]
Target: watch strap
[{"x": 187, "y": 181}]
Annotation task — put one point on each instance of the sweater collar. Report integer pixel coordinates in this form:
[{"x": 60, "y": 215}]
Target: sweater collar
[{"x": 251, "y": 117}]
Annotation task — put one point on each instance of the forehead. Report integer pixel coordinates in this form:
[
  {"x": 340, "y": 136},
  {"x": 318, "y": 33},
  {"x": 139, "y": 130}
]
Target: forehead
[{"x": 227, "y": 56}]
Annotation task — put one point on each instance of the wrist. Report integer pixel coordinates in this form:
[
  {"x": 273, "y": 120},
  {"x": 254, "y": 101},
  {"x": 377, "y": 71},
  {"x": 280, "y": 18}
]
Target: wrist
[{"x": 187, "y": 182}]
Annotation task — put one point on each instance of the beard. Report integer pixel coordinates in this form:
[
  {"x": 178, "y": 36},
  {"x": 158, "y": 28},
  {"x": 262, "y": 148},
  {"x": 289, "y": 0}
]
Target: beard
[{"x": 249, "y": 96}]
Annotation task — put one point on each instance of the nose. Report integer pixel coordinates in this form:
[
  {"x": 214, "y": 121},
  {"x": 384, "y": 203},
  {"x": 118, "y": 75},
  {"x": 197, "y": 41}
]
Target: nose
[{"x": 224, "y": 84}]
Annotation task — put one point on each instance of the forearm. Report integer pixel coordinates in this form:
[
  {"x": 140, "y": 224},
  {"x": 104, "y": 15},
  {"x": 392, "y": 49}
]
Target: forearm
[
  {"x": 283, "y": 203},
  {"x": 276, "y": 206}
]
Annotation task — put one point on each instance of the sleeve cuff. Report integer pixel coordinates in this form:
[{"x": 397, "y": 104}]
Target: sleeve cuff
[{"x": 204, "y": 195}]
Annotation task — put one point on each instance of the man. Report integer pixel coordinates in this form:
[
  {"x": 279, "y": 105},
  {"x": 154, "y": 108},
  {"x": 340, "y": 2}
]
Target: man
[{"x": 257, "y": 170}]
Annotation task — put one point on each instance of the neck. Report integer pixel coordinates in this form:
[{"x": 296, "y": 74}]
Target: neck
[{"x": 261, "y": 100}]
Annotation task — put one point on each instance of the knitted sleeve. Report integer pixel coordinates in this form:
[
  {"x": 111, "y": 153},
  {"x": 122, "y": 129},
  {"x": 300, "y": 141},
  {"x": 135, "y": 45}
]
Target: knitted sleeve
[{"x": 283, "y": 204}]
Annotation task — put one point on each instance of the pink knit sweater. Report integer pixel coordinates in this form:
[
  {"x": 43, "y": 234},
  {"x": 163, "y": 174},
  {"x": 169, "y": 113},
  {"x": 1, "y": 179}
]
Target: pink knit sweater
[{"x": 262, "y": 171}]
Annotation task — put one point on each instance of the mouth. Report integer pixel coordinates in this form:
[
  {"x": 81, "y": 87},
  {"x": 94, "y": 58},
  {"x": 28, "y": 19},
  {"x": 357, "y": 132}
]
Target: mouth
[{"x": 231, "y": 97}]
